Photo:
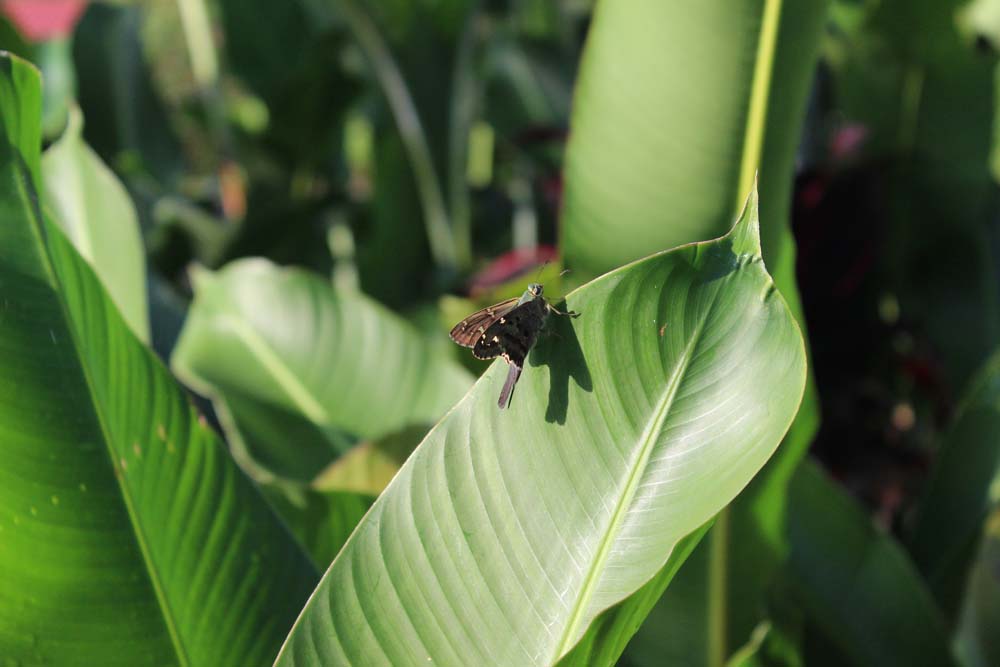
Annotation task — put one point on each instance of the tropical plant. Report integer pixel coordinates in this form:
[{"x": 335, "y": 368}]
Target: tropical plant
[{"x": 234, "y": 236}]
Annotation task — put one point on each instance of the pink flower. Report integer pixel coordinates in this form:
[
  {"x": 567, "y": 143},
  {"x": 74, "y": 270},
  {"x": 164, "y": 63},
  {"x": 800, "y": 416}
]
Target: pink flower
[{"x": 40, "y": 20}]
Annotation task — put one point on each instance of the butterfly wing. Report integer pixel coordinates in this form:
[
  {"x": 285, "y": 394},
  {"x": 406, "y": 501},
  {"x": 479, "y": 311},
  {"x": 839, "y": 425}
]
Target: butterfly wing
[
  {"x": 490, "y": 343},
  {"x": 469, "y": 331},
  {"x": 512, "y": 334}
]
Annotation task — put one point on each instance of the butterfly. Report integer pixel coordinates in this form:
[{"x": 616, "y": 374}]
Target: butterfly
[{"x": 508, "y": 329}]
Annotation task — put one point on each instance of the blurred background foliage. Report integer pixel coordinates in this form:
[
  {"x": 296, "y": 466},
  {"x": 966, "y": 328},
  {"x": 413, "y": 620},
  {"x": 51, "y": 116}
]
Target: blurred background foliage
[{"x": 413, "y": 160}]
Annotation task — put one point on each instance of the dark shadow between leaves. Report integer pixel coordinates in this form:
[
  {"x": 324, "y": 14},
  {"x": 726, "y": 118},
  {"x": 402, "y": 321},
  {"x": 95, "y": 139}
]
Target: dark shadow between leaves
[{"x": 559, "y": 349}]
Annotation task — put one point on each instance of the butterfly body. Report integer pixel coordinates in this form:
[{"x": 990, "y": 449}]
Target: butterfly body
[{"x": 508, "y": 329}]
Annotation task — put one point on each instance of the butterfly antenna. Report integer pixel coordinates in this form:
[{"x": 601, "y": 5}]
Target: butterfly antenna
[
  {"x": 538, "y": 273},
  {"x": 563, "y": 273},
  {"x": 555, "y": 310}
]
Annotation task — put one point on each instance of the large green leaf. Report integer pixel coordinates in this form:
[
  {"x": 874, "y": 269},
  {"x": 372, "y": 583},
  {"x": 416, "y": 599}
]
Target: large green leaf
[
  {"x": 302, "y": 368},
  {"x": 676, "y": 629},
  {"x": 856, "y": 583},
  {"x": 128, "y": 535},
  {"x": 675, "y": 108},
  {"x": 507, "y": 534},
  {"x": 722, "y": 593},
  {"x": 667, "y": 129},
  {"x": 95, "y": 211},
  {"x": 611, "y": 631},
  {"x": 960, "y": 491}
]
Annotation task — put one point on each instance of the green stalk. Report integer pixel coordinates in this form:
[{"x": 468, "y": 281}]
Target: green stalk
[
  {"x": 464, "y": 103},
  {"x": 718, "y": 582},
  {"x": 753, "y": 147},
  {"x": 753, "y": 143},
  {"x": 439, "y": 232}
]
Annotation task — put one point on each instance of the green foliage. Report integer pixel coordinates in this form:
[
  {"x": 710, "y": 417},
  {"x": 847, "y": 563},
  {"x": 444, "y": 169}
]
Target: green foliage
[
  {"x": 97, "y": 215},
  {"x": 617, "y": 498},
  {"x": 129, "y": 536},
  {"x": 920, "y": 88},
  {"x": 857, "y": 584},
  {"x": 624, "y": 199},
  {"x": 961, "y": 490},
  {"x": 294, "y": 203},
  {"x": 127, "y": 123},
  {"x": 275, "y": 347}
]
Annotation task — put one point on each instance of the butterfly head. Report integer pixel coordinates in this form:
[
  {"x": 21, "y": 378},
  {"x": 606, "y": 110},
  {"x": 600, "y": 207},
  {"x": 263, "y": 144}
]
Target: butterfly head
[{"x": 535, "y": 289}]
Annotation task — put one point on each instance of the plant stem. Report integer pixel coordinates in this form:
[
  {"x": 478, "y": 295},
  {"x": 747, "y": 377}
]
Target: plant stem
[
  {"x": 718, "y": 589},
  {"x": 753, "y": 147},
  {"x": 756, "y": 126},
  {"x": 464, "y": 104},
  {"x": 439, "y": 232}
]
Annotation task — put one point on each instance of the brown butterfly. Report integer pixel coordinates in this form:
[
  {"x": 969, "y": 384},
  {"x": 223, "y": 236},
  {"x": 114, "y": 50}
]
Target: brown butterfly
[{"x": 508, "y": 329}]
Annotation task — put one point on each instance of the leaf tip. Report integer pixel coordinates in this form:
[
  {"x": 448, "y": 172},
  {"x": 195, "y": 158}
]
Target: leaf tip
[
  {"x": 745, "y": 234},
  {"x": 12, "y": 59},
  {"x": 20, "y": 120}
]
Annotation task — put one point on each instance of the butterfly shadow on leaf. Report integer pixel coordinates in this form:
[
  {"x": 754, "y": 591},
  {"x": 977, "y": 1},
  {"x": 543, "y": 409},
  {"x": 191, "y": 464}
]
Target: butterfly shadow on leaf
[{"x": 559, "y": 349}]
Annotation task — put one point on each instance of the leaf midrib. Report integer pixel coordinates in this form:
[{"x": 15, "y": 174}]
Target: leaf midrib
[
  {"x": 299, "y": 393},
  {"x": 646, "y": 442}
]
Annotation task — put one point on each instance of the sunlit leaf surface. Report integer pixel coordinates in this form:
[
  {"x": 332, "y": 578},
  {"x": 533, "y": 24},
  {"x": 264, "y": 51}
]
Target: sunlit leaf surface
[{"x": 507, "y": 533}]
